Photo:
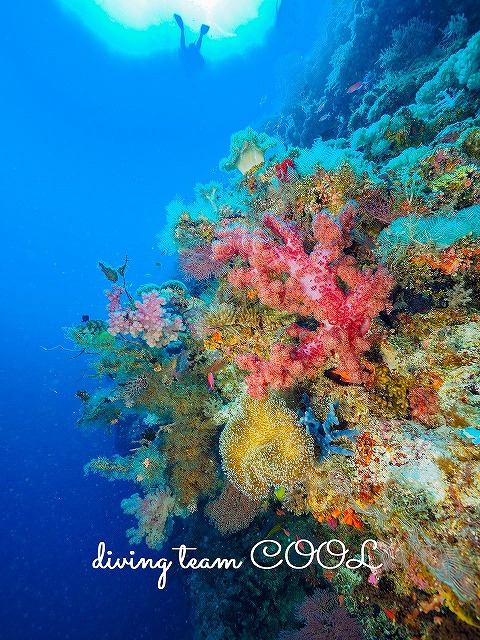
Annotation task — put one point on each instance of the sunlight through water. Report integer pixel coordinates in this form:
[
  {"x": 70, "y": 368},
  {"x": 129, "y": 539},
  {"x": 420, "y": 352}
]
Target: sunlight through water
[{"x": 144, "y": 27}]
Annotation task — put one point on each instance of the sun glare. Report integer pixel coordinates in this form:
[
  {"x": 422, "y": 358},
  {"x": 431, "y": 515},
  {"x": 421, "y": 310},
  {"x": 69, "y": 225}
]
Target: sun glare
[{"x": 142, "y": 27}]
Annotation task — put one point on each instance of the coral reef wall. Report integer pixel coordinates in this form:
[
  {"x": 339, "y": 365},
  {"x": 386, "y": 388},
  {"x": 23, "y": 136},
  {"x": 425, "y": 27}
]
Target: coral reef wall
[{"x": 318, "y": 374}]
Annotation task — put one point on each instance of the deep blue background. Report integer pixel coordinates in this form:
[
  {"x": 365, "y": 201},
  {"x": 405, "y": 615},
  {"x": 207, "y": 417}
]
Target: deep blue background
[{"x": 92, "y": 148}]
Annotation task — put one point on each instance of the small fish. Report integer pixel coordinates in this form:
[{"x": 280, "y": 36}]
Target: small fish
[
  {"x": 355, "y": 87},
  {"x": 262, "y": 100},
  {"x": 279, "y": 512},
  {"x": 158, "y": 264},
  {"x": 211, "y": 381},
  {"x": 301, "y": 546},
  {"x": 322, "y": 106},
  {"x": 324, "y": 117},
  {"x": 332, "y": 523},
  {"x": 390, "y": 614},
  {"x": 338, "y": 376},
  {"x": 273, "y": 530},
  {"x": 287, "y": 533},
  {"x": 85, "y": 318},
  {"x": 384, "y": 176},
  {"x": 174, "y": 364},
  {"x": 279, "y": 493}
]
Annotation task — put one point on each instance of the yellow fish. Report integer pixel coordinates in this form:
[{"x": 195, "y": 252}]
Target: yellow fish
[{"x": 273, "y": 530}]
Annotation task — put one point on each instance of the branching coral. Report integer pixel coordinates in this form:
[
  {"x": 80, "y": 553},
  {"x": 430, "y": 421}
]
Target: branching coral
[
  {"x": 153, "y": 514},
  {"x": 146, "y": 466},
  {"x": 148, "y": 319},
  {"x": 324, "y": 284},
  {"x": 198, "y": 263},
  {"x": 410, "y": 41}
]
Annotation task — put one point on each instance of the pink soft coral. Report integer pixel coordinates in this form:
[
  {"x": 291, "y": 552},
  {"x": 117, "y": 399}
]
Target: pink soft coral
[
  {"x": 149, "y": 319},
  {"x": 324, "y": 284}
]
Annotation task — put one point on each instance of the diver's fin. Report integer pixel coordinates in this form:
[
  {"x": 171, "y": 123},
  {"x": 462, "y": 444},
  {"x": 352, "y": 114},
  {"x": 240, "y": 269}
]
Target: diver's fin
[
  {"x": 204, "y": 29},
  {"x": 178, "y": 20}
]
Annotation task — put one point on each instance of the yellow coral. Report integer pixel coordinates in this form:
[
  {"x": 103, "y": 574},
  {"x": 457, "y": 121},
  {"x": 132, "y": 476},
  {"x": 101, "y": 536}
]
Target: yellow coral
[
  {"x": 389, "y": 393},
  {"x": 263, "y": 446}
]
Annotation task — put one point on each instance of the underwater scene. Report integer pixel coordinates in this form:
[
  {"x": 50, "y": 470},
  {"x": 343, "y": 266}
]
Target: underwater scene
[{"x": 242, "y": 325}]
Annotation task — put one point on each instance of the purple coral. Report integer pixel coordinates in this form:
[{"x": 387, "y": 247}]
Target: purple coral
[
  {"x": 149, "y": 319},
  {"x": 324, "y": 618}
]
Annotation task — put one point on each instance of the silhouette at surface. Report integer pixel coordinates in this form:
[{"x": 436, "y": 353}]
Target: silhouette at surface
[{"x": 191, "y": 55}]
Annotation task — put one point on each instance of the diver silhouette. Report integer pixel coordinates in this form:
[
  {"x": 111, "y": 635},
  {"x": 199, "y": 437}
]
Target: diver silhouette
[{"x": 191, "y": 55}]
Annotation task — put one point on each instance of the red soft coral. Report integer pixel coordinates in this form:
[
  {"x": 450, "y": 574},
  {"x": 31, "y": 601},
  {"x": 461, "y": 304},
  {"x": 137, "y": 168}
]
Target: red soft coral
[{"x": 324, "y": 284}]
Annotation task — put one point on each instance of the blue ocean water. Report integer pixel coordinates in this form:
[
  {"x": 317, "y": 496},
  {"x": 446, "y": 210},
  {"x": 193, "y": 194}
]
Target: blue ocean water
[
  {"x": 93, "y": 146},
  {"x": 324, "y": 378}
]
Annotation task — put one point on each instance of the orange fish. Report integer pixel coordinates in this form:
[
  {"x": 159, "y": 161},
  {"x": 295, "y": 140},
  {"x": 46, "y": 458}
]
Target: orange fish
[
  {"x": 280, "y": 512},
  {"x": 390, "y": 614},
  {"x": 287, "y": 533},
  {"x": 340, "y": 377},
  {"x": 301, "y": 546}
]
